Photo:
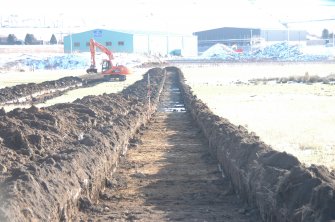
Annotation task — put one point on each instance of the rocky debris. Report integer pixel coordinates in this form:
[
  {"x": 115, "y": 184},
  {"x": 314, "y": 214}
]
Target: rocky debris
[
  {"x": 276, "y": 52},
  {"x": 276, "y": 183},
  {"x": 48, "y": 62},
  {"x": 152, "y": 64},
  {"x": 309, "y": 79},
  {"x": 50, "y": 157},
  {"x": 219, "y": 51}
]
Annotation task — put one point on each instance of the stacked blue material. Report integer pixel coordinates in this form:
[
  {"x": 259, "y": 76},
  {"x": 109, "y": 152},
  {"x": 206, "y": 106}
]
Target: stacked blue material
[{"x": 70, "y": 61}]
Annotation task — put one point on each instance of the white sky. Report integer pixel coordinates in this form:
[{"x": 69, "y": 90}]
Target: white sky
[{"x": 172, "y": 15}]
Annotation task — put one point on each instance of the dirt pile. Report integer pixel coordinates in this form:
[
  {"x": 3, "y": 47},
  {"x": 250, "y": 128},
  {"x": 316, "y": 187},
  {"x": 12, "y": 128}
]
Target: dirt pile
[
  {"x": 280, "y": 186},
  {"x": 51, "y": 156},
  {"x": 30, "y": 92},
  {"x": 34, "y": 93}
]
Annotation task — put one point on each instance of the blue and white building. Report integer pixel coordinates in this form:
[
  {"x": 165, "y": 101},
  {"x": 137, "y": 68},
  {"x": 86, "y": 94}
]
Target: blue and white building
[{"x": 133, "y": 42}]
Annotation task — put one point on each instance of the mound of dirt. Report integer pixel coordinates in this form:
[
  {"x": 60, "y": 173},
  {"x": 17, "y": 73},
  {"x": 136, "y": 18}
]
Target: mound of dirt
[
  {"x": 276, "y": 183},
  {"x": 50, "y": 157},
  {"x": 34, "y": 93},
  {"x": 27, "y": 92}
]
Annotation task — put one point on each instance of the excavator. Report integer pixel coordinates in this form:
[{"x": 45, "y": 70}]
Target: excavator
[{"x": 109, "y": 71}]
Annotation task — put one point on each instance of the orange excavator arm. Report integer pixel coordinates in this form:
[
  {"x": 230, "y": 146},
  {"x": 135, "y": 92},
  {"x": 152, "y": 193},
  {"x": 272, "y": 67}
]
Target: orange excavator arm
[
  {"x": 118, "y": 71},
  {"x": 104, "y": 49},
  {"x": 93, "y": 45}
]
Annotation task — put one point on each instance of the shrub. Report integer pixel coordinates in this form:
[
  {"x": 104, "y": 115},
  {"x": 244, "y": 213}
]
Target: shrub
[
  {"x": 53, "y": 40},
  {"x": 11, "y": 39}
]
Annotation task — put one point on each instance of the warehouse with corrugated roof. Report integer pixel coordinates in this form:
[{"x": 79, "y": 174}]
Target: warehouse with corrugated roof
[
  {"x": 245, "y": 37},
  {"x": 134, "y": 42}
]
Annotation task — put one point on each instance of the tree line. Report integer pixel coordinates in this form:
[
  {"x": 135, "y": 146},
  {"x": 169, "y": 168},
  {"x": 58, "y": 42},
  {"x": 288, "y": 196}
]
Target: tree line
[
  {"x": 326, "y": 34},
  {"x": 30, "y": 39}
]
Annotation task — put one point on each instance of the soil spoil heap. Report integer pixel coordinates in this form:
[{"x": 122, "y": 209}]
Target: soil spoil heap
[
  {"x": 50, "y": 156},
  {"x": 56, "y": 160},
  {"x": 281, "y": 187}
]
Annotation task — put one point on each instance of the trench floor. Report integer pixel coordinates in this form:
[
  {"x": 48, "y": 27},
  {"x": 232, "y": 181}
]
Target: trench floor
[{"x": 169, "y": 175}]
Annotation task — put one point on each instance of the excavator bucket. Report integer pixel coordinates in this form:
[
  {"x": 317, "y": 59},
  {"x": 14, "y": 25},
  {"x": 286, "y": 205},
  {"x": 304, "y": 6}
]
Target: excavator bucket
[{"x": 92, "y": 69}]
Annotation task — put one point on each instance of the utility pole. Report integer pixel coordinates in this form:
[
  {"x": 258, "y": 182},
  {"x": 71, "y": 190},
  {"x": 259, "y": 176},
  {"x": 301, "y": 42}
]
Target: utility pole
[
  {"x": 71, "y": 42},
  {"x": 251, "y": 40},
  {"x": 149, "y": 95}
]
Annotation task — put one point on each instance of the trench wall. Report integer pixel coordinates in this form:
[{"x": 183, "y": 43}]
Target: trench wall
[
  {"x": 281, "y": 187},
  {"x": 86, "y": 138}
]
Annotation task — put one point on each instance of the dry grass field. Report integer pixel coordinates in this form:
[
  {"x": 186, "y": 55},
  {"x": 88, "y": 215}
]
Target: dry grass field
[{"x": 297, "y": 118}]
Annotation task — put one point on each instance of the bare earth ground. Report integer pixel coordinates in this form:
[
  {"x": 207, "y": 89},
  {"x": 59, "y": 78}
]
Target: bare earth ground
[{"x": 170, "y": 176}]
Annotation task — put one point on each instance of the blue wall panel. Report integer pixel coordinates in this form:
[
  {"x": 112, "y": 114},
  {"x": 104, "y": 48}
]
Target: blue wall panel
[{"x": 115, "y": 41}]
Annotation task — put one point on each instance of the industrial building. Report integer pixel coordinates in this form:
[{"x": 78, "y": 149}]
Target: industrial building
[
  {"x": 284, "y": 35},
  {"x": 245, "y": 37},
  {"x": 133, "y": 42},
  {"x": 226, "y": 35}
]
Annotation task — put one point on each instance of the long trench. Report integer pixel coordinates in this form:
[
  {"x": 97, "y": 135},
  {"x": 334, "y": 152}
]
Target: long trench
[{"x": 168, "y": 174}]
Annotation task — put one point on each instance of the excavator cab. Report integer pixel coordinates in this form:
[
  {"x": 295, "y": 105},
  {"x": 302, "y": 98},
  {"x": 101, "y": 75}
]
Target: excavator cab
[{"x": 106, "y": 65}]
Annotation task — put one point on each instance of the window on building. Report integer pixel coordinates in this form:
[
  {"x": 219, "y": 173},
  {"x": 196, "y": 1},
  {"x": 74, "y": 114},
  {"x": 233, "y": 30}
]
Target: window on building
[
  {"x": 76, "y": 44},
  {"x": 121, "y": 43},
  {"x": 108, "y": 43},
  {"x": 87, "y": 43}
]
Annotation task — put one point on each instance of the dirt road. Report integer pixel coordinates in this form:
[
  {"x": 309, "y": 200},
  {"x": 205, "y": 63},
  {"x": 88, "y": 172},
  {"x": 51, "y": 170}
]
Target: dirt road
[{"x": 168, "y": 175}]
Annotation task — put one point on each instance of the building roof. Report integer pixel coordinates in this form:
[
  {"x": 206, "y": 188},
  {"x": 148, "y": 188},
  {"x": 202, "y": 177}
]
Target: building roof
[
  {"x": 137, "y": 32},
  {"x": 261, "y": 29}
]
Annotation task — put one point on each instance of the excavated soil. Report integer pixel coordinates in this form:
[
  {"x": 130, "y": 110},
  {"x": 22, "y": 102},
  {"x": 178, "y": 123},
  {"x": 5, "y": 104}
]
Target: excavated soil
[
  {"x": 168, "y": 175},
  {"x": 34, "y": 93},
  {"x": 70, "y": 162},
  {"x": 281, "y": 187},
  {"x": 49, "y": 156}
]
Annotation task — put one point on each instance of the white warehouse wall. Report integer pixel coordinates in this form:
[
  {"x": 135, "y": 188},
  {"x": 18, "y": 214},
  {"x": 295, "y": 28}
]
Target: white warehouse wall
[
  {"x": 140, "y": 43},
  {"x": 190, "y": 46},
  {"x": 164, "y": 44},
  {"x": 175, "y": 43},
  {"x": 158, "y": 44}
]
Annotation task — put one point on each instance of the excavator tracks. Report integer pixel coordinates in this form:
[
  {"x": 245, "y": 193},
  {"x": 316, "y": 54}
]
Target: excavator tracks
[{"x": 168, "y": 174}]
